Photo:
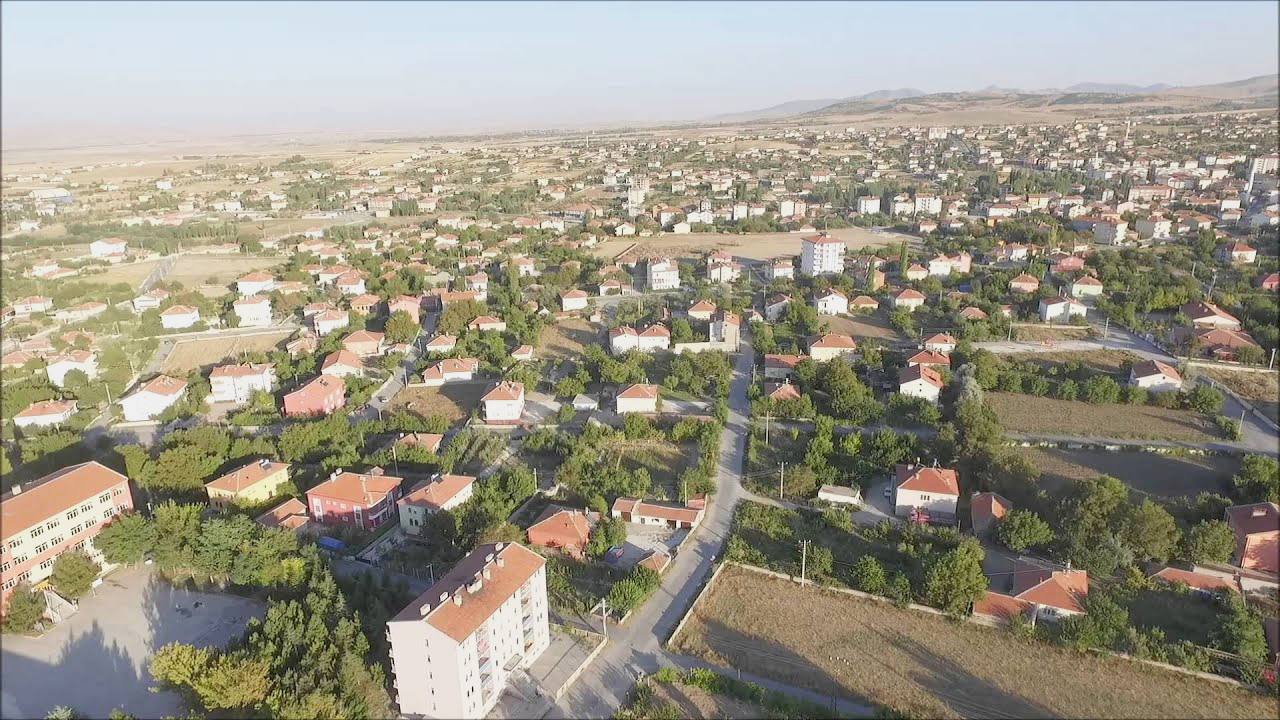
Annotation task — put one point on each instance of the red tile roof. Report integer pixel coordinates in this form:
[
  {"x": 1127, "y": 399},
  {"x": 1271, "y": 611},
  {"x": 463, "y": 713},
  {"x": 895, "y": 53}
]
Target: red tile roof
[
  {"x": 437, "y": 491},
  {"x": 1062, "y": 589},
  {"x": 247, "y": 476},
  {"x": 938, "y": 481},
  {"x": 357, "y": 488},
  {"x": 55, "y": 493},
  {"x": 639, "y": 392},
  {"x": 504, "y": 391},
  {"x": 1200, "y": 581},
  {"x": 920, "y": 372}
]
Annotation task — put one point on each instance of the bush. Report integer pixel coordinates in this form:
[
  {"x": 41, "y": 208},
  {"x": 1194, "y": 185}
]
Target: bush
[
  {"x": 1227, "y": 426},
  {"x": 24, "y": 608},
  {"x": 1067, "y": 390},
  {"x": 667, "y": 674},
  {"x": 868, "y": 575},
  {"x": 899, "y": 590},
  {"x": 1204, "y": 399}
]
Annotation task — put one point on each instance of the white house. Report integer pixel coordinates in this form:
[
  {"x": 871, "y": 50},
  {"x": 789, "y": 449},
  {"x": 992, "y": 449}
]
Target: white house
[
  {"x": 152, "y": 398},
  {"x": 1086, "y": 285},
  {"x": 149, "y": 300},
  {"x": 235, "y": 383},
  {"x": 450, "y": 370},
  {"x": 781, "y": 268},
  {"x": 46, "y": 413},
  {"x": 832, "y": 302},
  {"x": 920, "y": 381},
  {"x": 831, "y": 346},
  {"x": 108, "y": 248},
  {"x": 663, "y": 274},
  {"x": 940, "y": 343},
  {"x": 776, "y": 306},
  {"x": 821, "y": 255},
  {"x": 60, "y": 365},
  {"x": 1061, "y": 308},
  {"x": 930, "y": 489},
  {"x": 637, "y": 399},
  {"x": 1155, "y": 376},
  {"x": 442, "y": 344},
  {"x": 504, "y": 403},
  {"x": 255, "y": 283},
  {"x": 622, "y": 339},
  {"x": 329, "y": 321},
  {"x": 441, "y": 492},
  {"x": 910, "y": 299},
  {"x": 654, "y": 337},
  {"x": 574, "y": 299},
  {"x": 179, "y": 316},
  {"x": 253, "y": 311},
  {"x": 841, "y": 495}
]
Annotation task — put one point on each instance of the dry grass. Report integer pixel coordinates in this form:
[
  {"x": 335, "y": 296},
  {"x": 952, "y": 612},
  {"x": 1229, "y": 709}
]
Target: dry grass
[
  {"x": 187, "y": 355},
  {"x": 1104, "y": 361},
  {"x": 664, "y": 461},
  {"x": 693, "y": 702},
  {"x": 1259, "y": 388},
  {"x": 1049, "y": 416},
  {"x": 1036, "y": 333},
  {"x": 929, "y": 666},
  {"x": 1162, "y": 477},
  {"x": 875, "y": 325},
  {"x": 191, "y": 270},
  {"x": 567, "y": 339},
  {"x": 454, "y": 401}
]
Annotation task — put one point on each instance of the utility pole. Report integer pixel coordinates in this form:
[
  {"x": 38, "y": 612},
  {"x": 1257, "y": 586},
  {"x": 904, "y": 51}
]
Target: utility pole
[
  {"x": 604, "y": 616},
  {"x": 804, "y": 556},
  {"x": 1212, "y": 284},
  {"x": 782, "y": 471},
  {"x": 766, "y": 426},
  {"x": 1273, "y": 358},
  {"x": 1106, "y": 328}
]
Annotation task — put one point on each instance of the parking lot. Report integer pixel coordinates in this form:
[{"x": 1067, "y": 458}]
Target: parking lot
[{"x": 96, "y": 660}]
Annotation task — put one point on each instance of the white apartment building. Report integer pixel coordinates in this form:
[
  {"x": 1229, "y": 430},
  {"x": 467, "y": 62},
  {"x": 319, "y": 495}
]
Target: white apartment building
[
  {"x": 1110, "y": 232},
  {"x": 663, "y": 274},
  {"x": 867, "y": 204},
  {"x": 821, "y": 255},
  {"x": 235, "y": 383},
  {"x": 454, "y": 648},
  {"x": 928, "y": 205},
  {"x": 253, "y": 311}
]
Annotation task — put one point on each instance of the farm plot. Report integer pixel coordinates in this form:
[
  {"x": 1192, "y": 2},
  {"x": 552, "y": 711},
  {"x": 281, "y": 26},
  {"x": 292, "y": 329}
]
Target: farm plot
[
  {"x": 1102, "y": 361},
  {"x": 454, "y": 401},
  {"x": 188, "y": 355},
  {"x": 1037, "y": 333},
  {"x": 664, "y": 462},
  {"x": 928, "y": 666},
  {"x": 1261, "y": 389},
  {"x": 1162, "y": 477},
  {"x": 1069, "y": 418},
  {"x": 756, "y": 246}
]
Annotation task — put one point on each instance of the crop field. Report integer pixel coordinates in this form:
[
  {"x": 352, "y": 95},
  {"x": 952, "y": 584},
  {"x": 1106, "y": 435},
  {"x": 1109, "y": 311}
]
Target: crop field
[
  {"x": 1162, "y": 477},
  {"x": 928, "y": 666},
  {"x": 191, "y": 270},
  {"x": 664, "y": 461},
  {"x": 187, "y": 355},
  {"x": 754, "y": 246},
  {"x": 454, "y": 401},
  {"x": 1103, "y": 361},
  {"x": 1049, "y": 416},
  {"x": 1259, "y": 388}
]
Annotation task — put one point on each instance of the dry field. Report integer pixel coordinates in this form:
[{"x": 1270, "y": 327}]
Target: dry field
[
  {"x": 1104, "y": 361},
  {"x": 1033, "y": 332},
  {"x": 1259, "y": 388},
  {"x": 1049, "y": 416},
  {"x": 454, "y": 401},
  {"x": 756, "y": 246},
  {"x": 875, "y": 325},
  {"x": 187, "y": 355},
  {"x": 567, "y": 339},
  {"x": 191, "y": 270},
  {"x": 928, "y": 666},
  {"x": 693, "y": 702},
  {"x": 1163, "y": 477},
  {"x": 664, "y": 461}
]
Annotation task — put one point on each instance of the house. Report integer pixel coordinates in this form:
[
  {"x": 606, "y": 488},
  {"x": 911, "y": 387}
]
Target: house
[
  {"x": 648, "y": 513},
  {"x": 450, "y": 370},
  {"x": 831, "y": 302},
  {"x": 406, "y": 304},
  {"x": 253, "y": 311},
  {"x": 864, "y": 303},
  {"x": 1024, "y": 283},
  {"x": 1086, "y": 285},
  {"x": 1012, "y": 252},
  {"x": 250, "y": 484},
  {"x": 821, "y": 255},
  {"x": 933, "y": 490},
  {"x": 940, "y": 343},
  {"x": 364, "y": 304},
  {"x": 288, "y": 515},
  {"x": 1208, "y": 315},
  {"x": 59, "y": 365},
  {"x": 1196, "y": 582},
  {"x": 47, "y": 413},
  {"x": 701, "y": 310},
  {"x": 1257, "y": 530},
  {"x": 840, "y": 495},
  {"x": 478, "y": 284},
  {"x": 1270, "y": 281},
  {"x": 179, "y": 317},
  {"x": 351, "y": 283},
  {"x": 1043, "y": 593},
  {"x": 255, "y": 283},
  {"x": 574, "y": 299},
  {"x": 442, "y": 344},
  {"x": 33, "y": 304},
  {"x": 80, "y": 312},
  {"x": 329, "y": 321},
  {"x": 522, "y": 353},
  {"x": 484, "y": 620},
  {"x": 563, "y": 529},
  {"x": 235, "y": 383},
  {"x": 363, "y": 343},
  {"x": 831, "y": 346},
  {"x": 985, "y": 510},
  {"x": 929, "y": 357},
  {"x": 1067, "y": 264},
  {"x": 653, "y": 337},
  {"x": 726, "y": 328},
  {"x": 910, "y": 299},
  {"x": 774, "y": 308},
  {"x": 1221, "y": 343},
  {"x": 341, "y": 363},
  {"x": 152, "y": 398},
  {"x": 780, "y": 268},
  {"x": 1235, "y": 253},
  {"x": 920, "y": 381},
  {"x": 1155, "y": 376},
  {"x": 1155, "y": 227},
  {"x": 320, "y": 396},
  {"x": 637, "y": 399},
  {"x": 1061, "y": 309},
  {"x": 427, "y": 441},
  {"x": 940, "y": 266},
  {"x": 1110, "y": 232},
  {"x": 108, "y": 248},
  {"x": 781, "y": 391},
  {"x": 504, "y": 403},
  {"x": 915, "y": 272},
  {"x": 663, "y": 274},
  {"x": 149, "y": 300},
  {"x": 363, "y": 500},
  {"x": 779, "y": 367},
  {"x": 61, "y": 511},
  {"x": 441, "y": 492},
  {"x": 487, "y": 322}
]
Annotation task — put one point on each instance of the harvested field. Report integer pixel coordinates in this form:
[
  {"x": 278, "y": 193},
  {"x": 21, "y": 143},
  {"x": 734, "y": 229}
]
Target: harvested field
[
  {"x": 755, "y": 246},
  {"x": 187, "y": 355},
  {"x": 928, "y": 666},
  {"x": 1036, "y": 332},
  {"x": 875, "y": 325},
  {"x": 1162, "y": 477},
  {"x": 567, "y": 339},
  {"x": 455, "y": 401},
  {"x": 1262, "y": 389},
  {"x": 191, "y": 270},
  {"x": 1049, "y": 416}
]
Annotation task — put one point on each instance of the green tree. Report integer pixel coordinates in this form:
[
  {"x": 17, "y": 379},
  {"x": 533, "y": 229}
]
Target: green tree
[
  {"x": 1209, "y": 541},
  {"x": 1022, "y": 529},
  {"x": 1101, "y": 389},
  {"x": 1102, "y": 625},
  {"x": 1204, "y": 399},
  {"x": 681, "y": 331},
  {"x": 1150, "y": 531},
  {"x": 401, "y": 328},
  {"x": 1257, "y": 480},
  {"x": 818, "y": 561},
  {"x": 607, "y": 533},
  {"x": 953, "y": 579},
  {"x": 126, "y": 540},
  {"x": 868, "y": 575},
  {"x": 73, "y": 574},
  {"x": 24, "y": 608}
]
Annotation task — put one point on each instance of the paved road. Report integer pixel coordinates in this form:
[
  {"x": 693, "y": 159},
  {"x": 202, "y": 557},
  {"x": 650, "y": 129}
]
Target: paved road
[{"x": 379, "y": 401}]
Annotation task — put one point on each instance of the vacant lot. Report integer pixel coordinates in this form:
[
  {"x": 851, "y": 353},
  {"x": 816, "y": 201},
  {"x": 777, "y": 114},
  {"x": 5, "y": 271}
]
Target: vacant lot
[
  {"x": 1104, "y": 361},
  {"x": 188, "y": 355},
  {"x": 1162, "y": 477},
  {"x": 693, "y": 702},
  {"x": 875, "y": 325},
  {"x": 191, "y": 270},
  {"x": 567, "y": 339},
  {"x": 757, "y": 246},
  {"x": 928, "y": 666},
  {"x": 1034, "y": 332},
  {"x": 1259, "y": 388},
  {"x": 455, "y": 401},
  {"x": 664, "y": 461},
  {"x": 1049, "y": 416}
]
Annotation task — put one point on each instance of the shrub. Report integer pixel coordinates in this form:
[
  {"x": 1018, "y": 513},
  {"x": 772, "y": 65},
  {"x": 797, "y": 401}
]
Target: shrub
[
  {"x": 899, "y": 590},
  {"x": 868, "y": 575},
  {"x": 24, "y": 608},
  {"x": 667, "y": 674}
]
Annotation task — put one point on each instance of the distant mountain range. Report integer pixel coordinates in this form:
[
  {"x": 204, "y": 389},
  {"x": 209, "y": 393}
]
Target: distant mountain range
[{"x": 1262, "y": 87}]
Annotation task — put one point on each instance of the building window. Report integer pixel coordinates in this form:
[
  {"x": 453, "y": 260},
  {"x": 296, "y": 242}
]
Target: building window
[
  {"x": 75, "y": 530},
  {"x": 10, "y": 583},
  {"x": 86, "y": 507},
  {"x": 51, "y": 524},
  {"x": 37, "y": 531},
  {"x": 15, "y": 544},
  {"x": 42, "y": 547},
  {"x": 104, "y": 497},
  {"x": 56, "y": 541},
  {"x": 4, "y": 567},
  {"x": 19, "y": 560},
  {"x": 108, "y": 512},
  {"x": 72, "y": 513},
  {"x": 23, "y": 577},
  {"x": 46, "y": 564},
  {"x": 117, "y": 491}
]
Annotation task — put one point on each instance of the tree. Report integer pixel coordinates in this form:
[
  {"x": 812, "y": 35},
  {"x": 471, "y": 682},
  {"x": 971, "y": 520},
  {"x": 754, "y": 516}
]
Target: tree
[
  {"x": 1209, "y": 541},
  {"x": 126, "y": 540},
  {"x": 1258, "y": 479},
  {"x": 1204, "y": 399},
  {"x": 73, "y": 574},
  {"x": 953, "y": 579},
  {"x": 1101, "y": 389},
  {"x": 607, "y": 533},
  {"x": 818, "y": 561},
  {"x": 868, "y": 575},
  {"x": 24, "y": 608},
  {"x": 401, "y": 327},
  {"x": 1150, "y": 531},
  {"x": 1101, "y": 626},
  {"x": 681, "y": 331},
  {"x": 1022, "y": 529}
]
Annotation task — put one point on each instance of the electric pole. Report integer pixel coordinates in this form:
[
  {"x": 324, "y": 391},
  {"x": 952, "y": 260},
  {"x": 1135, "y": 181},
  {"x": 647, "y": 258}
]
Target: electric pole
[
  {"x": 604, "y": 616},
  {"x": 781, "y": 473},
  {"x": 804, "y": 556}
]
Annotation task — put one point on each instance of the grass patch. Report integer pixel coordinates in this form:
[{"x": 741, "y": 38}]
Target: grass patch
[
  {"x": 1049, "y": 416},
  {"x": 1035, "y": 333},
  {"x": 190, "y": 270},
  {"x": 928, "y": 666},
  {"x": 665, "y": 462},
  {"x": 454, "y": 401},
  {"x": 567, "y": 339},
  {"x": 1160, "y": 477},
  {"x": 1261, "y": 389},
  {"x": 188, "y": 355}
]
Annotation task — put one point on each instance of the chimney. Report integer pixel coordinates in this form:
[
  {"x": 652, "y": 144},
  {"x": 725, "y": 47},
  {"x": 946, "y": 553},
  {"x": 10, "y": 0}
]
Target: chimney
[
  {"x": 485, "y": 572},
  {"x": 376, "y": 471},
  {"x": 457, "y": 599},
  {"x": 17, "y": 489},
  {"x": 476, "y": 583},
  {"x": 498, "y": 547}
]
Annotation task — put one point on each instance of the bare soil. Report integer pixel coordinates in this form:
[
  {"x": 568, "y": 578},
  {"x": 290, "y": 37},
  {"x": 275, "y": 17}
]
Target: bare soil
[
  {"x": 455, "y": 401},
  {"x": 187, "y": 355},
  {"x": 1049, "y": 416},
  {"x": 875, "y": 325},
  {"x": 191, "y": 270},
  {"x": 693, "y": 702},
  {"x": 1033, "y": 332},
  {"x": 568, "y": 338},
  {"x": 928, "y": 666},
  {"x": 756, "y": 246}
]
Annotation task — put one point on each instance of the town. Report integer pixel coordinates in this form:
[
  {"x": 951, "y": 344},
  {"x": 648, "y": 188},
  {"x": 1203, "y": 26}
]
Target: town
[{"x": 788, "y": 418}]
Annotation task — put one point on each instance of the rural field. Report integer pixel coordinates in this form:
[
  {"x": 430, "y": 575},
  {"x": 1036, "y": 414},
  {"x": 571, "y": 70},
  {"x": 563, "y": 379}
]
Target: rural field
[
  {"x": 191, "y": 270},
  {"x": 928, "y": 666},
  {"x": 1035, "y": 333},
  {"x": 188, "y": 355},
  {"x": 875, "y": 325},
  {"x": 1163, "y": 477},
  {"x": 1049, "y": 416},
  {"x": 1262, "y": 389},
  {"x": 455, "y": 401},
  {"x": 756, "y": 246},
  {"x": 567, "y": 339}
]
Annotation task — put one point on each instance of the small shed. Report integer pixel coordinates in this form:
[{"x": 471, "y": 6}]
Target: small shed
[
  {"x": 585, "y": 402},
  {"x": 840, "y": 494}
]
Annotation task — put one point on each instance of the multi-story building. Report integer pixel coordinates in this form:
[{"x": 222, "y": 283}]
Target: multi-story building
[
  {"x": 235, "y": 383},
  {"x": 867, "y": 204},
  {"x": 366, "y": 500},
  {"x": 821, "y": 255},
  {"x": 250, "y": 484},
  {"x": 442, "y": 492},
  {"x": 454, "y": 648},
  {"x": 320, "y": 396},
  {"x": 1110, "y": 232},
  {"x": 253, "y": 311},
  {"x": 664, "y": 274},
  {"x": 59, "y": 512},
  {"x": 152, "y": 398}
]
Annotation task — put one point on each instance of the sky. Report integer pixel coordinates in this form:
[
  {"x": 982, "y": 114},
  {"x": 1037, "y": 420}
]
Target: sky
[{"x": 72, "y": 70}]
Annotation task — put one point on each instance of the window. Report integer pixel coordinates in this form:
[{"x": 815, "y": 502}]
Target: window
[
  {"x": 19, "y": 560},
  {"x": 108, "y": 512},
  {"x": 57, "y": 540},
  {"x": 75, "y": 530},
  {"x": 72, "y": 513},
  {"x": 37, "y": 531},
  {"x": 117, "y": 491},
  {"x": 46, "y": 564},
  {"x": 4, "y": 567},
  {"x": 23, "y": 577},
  {"x": 42, "y": 547},
  {"x": 104, "y": 497},
  {"x": 10, "y": 583},
  {"x": 86, "y": 507},
  {"x": 15, "y": 544}
]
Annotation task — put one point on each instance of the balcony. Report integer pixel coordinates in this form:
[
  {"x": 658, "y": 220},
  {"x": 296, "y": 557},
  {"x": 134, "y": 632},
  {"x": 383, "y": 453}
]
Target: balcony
[{"x": 485, "y": 663}]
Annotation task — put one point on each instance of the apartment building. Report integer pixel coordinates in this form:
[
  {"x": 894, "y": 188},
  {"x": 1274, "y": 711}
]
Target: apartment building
[
  {"x": 456, "y": 647},
  {"x": 821, "y": 255},
  {"x": 59, "y": 512},
  {"x": 250, "y": 484},
  {"x": 366, "y": 500},
  {"x": 663, "y": 274},
  {"x": 235, "y": 383}
]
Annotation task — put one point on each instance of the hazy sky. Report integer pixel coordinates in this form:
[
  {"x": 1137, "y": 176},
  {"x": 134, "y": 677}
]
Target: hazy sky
[{"x": 294, "y": 66}]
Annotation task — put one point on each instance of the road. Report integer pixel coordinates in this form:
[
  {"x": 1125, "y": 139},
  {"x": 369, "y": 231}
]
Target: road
[
  {"x": 379, "y": 401},
  {"x": 637, "y": 646}
]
